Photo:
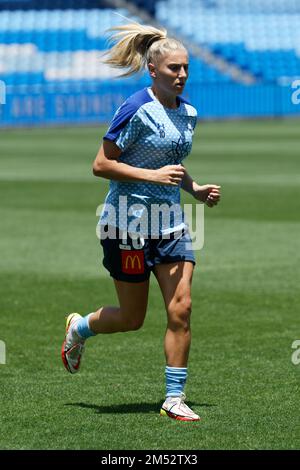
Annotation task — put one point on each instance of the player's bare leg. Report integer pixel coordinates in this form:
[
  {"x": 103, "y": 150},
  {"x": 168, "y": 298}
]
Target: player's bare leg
[
  {"x": 175, "y": 280},
  {"x": 128, "y": 316}
]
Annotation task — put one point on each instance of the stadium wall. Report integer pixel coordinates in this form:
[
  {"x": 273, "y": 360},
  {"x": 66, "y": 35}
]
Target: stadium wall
[{"x": 96, "y": 103}]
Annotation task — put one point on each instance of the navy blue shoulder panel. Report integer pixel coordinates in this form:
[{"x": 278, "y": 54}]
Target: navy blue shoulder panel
[
  {"x": 184, "y": 101},
  {"x": 125, "y": 113}
]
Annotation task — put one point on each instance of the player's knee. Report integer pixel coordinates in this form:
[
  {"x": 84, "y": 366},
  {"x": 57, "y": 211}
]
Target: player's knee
[
  {"x": 179, "y": 314},
  {"x": 136, "y": 325},
  {"x": 182, "y": 308},
  {"x": 133, "y": 322}
]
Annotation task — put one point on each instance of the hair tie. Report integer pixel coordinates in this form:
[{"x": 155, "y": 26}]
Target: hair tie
[{"x": 155, "y": 39}]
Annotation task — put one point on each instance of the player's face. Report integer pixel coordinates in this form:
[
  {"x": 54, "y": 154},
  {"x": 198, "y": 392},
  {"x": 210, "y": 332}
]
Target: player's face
[{"x": 171, "y": 73}]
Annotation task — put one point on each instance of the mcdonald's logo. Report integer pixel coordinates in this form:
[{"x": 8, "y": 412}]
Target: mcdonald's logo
[{"x": 132, "y": 261}]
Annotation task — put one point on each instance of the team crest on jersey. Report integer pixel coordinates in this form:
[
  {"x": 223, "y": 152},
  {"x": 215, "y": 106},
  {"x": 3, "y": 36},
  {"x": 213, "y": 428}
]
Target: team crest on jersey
[
  {"x": 179, "y": 151},
  {"x": 161, "y": 129}
]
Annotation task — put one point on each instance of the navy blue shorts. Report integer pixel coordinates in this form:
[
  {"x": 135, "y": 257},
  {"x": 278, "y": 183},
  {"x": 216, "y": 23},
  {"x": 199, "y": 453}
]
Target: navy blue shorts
[{"x": 126, "y": 262}]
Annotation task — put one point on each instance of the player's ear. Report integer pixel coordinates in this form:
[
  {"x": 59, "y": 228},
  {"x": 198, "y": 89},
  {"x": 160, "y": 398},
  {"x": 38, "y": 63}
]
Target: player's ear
[{"x": 152, "y": 71}]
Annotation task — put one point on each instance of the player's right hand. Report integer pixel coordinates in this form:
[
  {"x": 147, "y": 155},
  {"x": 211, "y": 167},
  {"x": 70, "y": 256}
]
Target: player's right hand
[{"x": 169, "y": 174}]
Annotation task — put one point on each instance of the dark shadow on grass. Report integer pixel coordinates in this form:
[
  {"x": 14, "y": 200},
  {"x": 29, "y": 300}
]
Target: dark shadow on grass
[{"x": 131, "y": 407}]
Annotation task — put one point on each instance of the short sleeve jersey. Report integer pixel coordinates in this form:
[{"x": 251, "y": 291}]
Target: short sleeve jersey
[{"x": 150, "y": 136}]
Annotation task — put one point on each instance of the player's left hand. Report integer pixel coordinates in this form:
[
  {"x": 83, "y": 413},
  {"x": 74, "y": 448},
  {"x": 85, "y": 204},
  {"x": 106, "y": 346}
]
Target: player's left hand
[{"x": 209, "y": 194}]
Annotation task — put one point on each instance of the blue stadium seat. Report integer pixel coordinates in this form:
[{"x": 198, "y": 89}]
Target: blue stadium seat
[
  {"x": 261, "y": 36},
  {"x": 52, "y": 45}
]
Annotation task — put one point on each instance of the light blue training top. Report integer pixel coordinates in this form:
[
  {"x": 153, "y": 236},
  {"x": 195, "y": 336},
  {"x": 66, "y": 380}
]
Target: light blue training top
[{"x": 150, "y": 136}]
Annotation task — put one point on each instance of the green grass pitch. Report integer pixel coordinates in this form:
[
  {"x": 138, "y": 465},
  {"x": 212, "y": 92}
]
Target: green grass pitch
[{"x": 245, "y": 299}]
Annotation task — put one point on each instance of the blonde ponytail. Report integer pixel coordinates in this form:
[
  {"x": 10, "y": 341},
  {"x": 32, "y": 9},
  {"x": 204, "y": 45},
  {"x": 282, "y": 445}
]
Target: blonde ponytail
[{"x": 136, "y": 45}]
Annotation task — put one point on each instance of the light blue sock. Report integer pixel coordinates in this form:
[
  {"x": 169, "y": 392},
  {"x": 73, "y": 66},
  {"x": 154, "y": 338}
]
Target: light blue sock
[
  {"x": 83, "y": 327},
  {"x": 175, "y": 380}
]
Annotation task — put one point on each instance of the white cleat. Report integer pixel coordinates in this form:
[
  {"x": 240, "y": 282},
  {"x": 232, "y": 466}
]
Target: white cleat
[
  {"x": 175, "y": 408},
  {"x": 73, "y": 346}
]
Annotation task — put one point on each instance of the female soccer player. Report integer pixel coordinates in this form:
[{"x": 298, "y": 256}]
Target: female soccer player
[{"x": 141, "y": 155}]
